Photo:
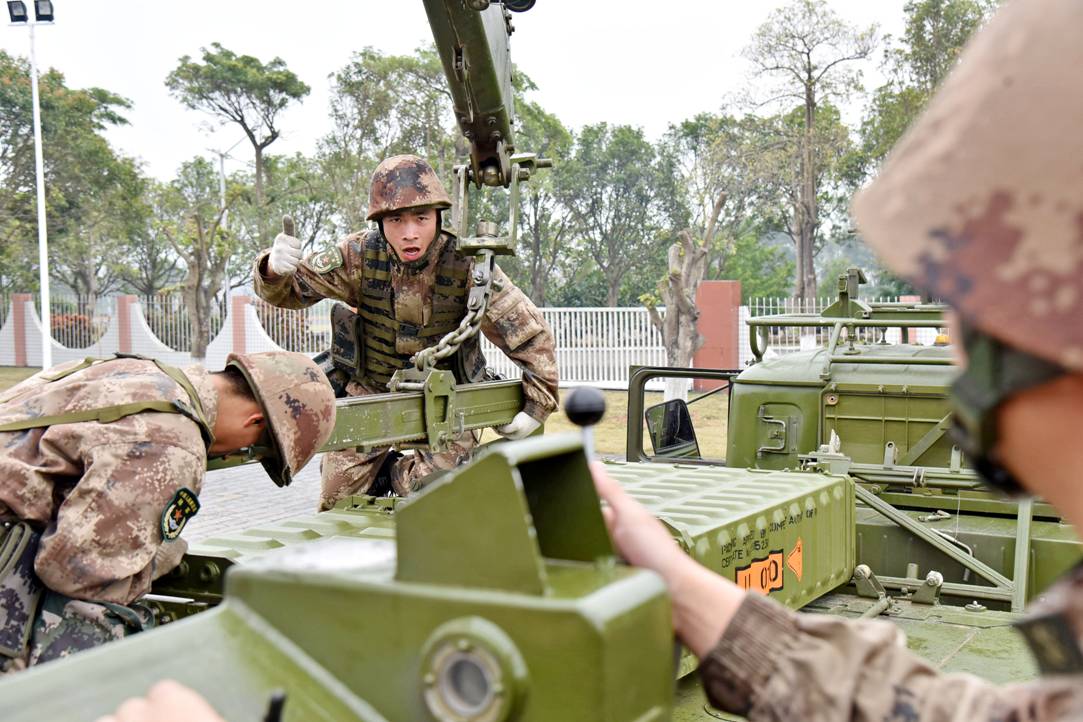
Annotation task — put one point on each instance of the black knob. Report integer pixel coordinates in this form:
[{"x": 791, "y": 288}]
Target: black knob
[{"x": 585, "y": 406}]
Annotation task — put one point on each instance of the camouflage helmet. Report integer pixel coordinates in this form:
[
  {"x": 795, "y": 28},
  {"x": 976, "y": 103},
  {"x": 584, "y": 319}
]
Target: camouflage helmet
[
  {"x": 981, "y": 203},
  {"x": 405, "y": 181},
  {"x": 298, "y": 403}
]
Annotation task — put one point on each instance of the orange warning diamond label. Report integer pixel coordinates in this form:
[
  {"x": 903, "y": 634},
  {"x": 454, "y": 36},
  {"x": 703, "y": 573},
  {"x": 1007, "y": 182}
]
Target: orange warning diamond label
[
  {"x": 795, "y": 560},
  {"x": 762, "y": 575}
]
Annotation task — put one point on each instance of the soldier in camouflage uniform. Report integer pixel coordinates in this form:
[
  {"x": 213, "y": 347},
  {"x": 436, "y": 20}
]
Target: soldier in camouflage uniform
[
  {"x": 409, "y": 286},
  {"x": 101, "y": 465},
  {"x": 981, "y": 204}
]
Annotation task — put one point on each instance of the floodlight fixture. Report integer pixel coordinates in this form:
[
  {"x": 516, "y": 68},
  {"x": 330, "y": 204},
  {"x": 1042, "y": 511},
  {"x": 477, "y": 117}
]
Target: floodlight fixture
[
  {"x": 17, "y": 11},
  {"x": 43, "y": 11}
]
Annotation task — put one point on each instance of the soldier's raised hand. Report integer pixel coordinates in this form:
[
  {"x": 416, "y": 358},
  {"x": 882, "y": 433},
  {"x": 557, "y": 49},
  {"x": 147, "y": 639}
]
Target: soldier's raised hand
[{"x": 286, "y": 252}]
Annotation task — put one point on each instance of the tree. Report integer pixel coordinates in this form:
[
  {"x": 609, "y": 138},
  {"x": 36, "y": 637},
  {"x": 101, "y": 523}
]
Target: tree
[
  {"x": 383, "y": 105},
  {"x": 151, "y": 265},
  {"x": 239, "y": 89},
  {"x": 297, "y": 187},
  {"x": 91, "y": 190},
  {"x": 87, "y": 252},
  {"x": 621, "y": 197},
  {"x": 192, "y": 222},
  {"x": 810, "y": 53},
  {"x": 544, "y": 225},
  {"x": 934, "y": 35}
]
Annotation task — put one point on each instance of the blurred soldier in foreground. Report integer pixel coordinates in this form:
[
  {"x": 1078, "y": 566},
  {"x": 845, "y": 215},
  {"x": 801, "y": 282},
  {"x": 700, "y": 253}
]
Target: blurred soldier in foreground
[
  {"x": 101, "y": 465},
  {"x": 981, "y": 205},
  {"x": 409, "y": 287}
]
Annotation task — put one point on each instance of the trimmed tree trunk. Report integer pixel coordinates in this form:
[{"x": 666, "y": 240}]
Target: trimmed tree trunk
[{"x": 687, "y": 263}]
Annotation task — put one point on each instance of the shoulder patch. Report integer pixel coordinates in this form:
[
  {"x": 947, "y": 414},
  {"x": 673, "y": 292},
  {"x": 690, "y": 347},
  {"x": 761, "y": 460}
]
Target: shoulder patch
[
  {"x": 177, "y": 512},
  {"x": 326, "y": 260}
]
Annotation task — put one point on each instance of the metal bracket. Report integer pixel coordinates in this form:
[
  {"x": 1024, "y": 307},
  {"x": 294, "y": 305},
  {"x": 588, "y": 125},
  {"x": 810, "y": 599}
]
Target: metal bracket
[
  {"x": 929, "y": 592},
  {"x": 438, "y": 407},
  {"x": 867, "y": 584}
]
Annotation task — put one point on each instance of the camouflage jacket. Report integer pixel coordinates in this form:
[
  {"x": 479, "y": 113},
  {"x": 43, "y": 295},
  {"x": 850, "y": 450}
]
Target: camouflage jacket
[
  {"x": 100, "y": 491},
  {"x": 512, "y": 322},
  {"x": 774, "y": 664}
]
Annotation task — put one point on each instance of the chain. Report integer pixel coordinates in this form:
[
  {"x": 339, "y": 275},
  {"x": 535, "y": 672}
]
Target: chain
[{"x": 476, "y": 304}]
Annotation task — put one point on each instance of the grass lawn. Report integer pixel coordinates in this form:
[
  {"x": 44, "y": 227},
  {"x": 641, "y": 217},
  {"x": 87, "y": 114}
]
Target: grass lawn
[{"x": 11, "y": 375}]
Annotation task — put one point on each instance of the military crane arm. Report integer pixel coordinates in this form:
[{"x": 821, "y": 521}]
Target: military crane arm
[{"x": 472, "y": 41}]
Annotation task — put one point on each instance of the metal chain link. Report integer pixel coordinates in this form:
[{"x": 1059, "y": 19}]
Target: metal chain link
[{"x": 477, "y": 303}]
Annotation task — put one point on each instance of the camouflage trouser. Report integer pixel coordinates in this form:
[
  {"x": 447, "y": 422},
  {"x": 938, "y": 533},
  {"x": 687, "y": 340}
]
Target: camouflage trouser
[
  {"x": 37, "y": 624},
  {"x": 344, "y": 473},
  {"x": 64, "y": 626}
]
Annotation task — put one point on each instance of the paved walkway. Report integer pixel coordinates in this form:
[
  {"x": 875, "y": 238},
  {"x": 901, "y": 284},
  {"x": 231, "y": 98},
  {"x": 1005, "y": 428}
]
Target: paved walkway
[{"x": 233, "y": 500}]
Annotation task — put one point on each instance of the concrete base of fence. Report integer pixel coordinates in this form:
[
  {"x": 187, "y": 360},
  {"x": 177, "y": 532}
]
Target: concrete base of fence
[
  {"x": 129, "y": 332},
  {"x": 21, "y": 336}
]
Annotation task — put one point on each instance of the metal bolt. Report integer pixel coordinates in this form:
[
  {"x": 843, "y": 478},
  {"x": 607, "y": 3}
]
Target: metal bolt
[
  {"x": 464, "y": 645},
  {"x": 429, "y": 679},
  {"x": 975, "y": 606}
]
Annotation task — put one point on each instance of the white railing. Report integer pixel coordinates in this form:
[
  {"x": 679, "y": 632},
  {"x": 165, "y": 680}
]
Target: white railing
[
  {"x": 167, "y": 315},
  {"x": 78, "y": 322},
  {"x": 595, "y": 346},
  {"x": 306, "y": 330}
]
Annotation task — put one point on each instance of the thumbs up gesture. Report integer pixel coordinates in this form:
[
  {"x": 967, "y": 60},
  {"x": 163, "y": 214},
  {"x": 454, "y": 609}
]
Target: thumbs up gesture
[{"x": 286, "y": 251}]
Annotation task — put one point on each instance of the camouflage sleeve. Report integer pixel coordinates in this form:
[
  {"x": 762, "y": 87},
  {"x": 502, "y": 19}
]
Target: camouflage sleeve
[
  {"x": 107, "y": 544},
  {"x": 331, "y": 273},
  {"x": 515, "y": 326},
  {"x": 774, "y": 664}
]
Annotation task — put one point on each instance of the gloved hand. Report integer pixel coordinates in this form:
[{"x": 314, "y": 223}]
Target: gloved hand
[
  {"x": 286, "y": 252},
  {"x": 522, "y": 426}
]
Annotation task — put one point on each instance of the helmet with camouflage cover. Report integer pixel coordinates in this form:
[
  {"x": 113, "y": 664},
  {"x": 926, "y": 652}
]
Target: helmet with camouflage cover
[
  {"x": 405, "y": 181},
  {"x": 298, "y": 403},
  {"x": 981, "y": 203}
]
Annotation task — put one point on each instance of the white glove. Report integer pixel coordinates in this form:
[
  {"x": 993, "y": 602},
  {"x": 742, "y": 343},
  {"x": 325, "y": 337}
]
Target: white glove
[
  {"x": 286, "y": 252},
  {"x": 522, "y": 426}
]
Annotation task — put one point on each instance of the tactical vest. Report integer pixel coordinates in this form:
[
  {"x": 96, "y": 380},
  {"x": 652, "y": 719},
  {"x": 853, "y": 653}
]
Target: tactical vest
[{"x": 376, "y": 306}]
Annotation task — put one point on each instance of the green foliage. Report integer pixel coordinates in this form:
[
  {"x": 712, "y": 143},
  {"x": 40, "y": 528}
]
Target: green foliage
[
  {"x": 620, "y": 195},
  {"x": 243, "y": 90},
  {"x": 934, "y": 35},
  {"x": 93, "y": 195},
  {"x": 237, "y": 88},
  {"x": 764, "y": 269},
  {"x": 383, "y": 105}
]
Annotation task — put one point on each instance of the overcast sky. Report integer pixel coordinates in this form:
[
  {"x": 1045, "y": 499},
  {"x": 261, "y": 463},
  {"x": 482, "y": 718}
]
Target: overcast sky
[{"x": 640, "y": 62}]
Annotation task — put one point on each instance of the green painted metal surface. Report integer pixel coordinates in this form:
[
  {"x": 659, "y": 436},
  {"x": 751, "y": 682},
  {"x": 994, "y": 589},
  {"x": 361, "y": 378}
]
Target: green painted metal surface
[
  {"x": 368, "y": 628},
  {"x": 783, "y": 407},
  {"x": 787, "y": 533}
]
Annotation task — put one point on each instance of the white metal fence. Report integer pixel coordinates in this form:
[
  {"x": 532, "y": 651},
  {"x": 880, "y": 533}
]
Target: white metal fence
[
  {"x": 168, "y": 317},
  {"x": 594, "y": 345},
  {"x": 306, "y": 330}
]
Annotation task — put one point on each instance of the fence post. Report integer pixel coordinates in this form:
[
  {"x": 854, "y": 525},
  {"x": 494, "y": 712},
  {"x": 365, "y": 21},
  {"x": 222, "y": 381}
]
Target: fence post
[
  {"x": 124, "y": 323},
  {"x": 719, "y": 304},
  {"x": 19, "y": 302},
  {"x": 237, "y": 316},
  {"x": 911, "y": 333}
]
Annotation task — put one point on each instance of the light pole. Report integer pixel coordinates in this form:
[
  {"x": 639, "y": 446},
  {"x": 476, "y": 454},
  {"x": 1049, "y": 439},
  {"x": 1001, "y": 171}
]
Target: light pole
[{"x": 43, "y": 15}]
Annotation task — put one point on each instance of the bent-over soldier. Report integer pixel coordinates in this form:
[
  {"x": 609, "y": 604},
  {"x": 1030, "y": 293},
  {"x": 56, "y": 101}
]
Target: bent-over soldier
[
  {"x": 101, "y": 464},
  {"x": 410, "y": 287}
]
